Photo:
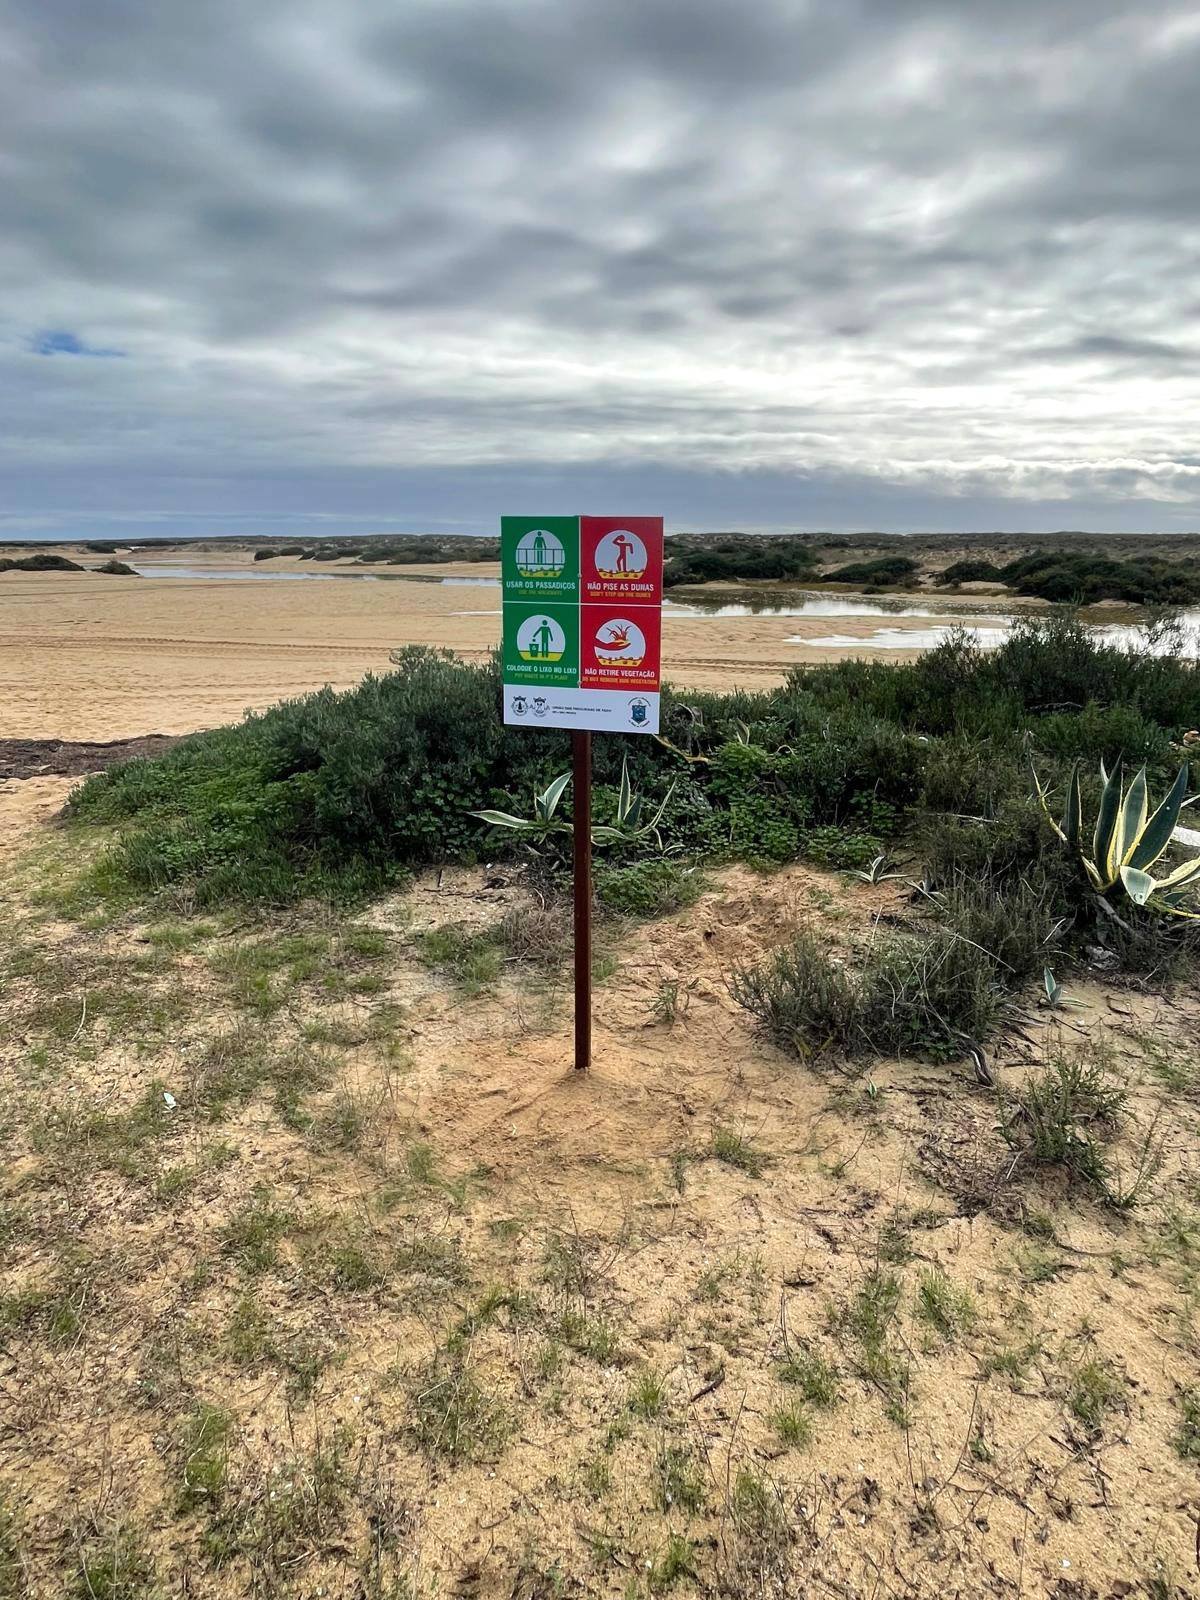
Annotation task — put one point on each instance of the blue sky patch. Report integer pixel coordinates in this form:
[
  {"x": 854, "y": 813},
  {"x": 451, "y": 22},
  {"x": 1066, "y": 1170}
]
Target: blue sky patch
[{"x": 62, "y": 342}]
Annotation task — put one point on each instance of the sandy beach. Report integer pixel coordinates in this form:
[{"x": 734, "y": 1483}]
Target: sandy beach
[{"x": 89, "y": 656}]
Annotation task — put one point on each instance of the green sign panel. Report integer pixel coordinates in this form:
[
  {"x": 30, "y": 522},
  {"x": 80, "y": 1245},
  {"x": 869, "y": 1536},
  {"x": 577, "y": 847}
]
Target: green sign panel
[
  {"x": 539, "y": 558},
  {"x": 541, "y": 643}
]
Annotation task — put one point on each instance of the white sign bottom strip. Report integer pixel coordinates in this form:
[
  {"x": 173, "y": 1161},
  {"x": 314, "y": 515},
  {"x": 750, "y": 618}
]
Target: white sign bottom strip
[{"x": 600, "y": 710}]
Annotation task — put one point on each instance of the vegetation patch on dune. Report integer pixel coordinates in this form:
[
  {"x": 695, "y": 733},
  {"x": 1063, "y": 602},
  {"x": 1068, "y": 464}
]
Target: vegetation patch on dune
[
  {"x": 40, "y": 561},
  {"x": 1084, "y": 577},
  {"x": 918, "y": 772}
]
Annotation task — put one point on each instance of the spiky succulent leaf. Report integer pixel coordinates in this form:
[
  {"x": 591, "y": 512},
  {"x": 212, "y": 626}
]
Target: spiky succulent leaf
[
  {"x": 1172, "y": 908},
  {"x": 1132, "y": 821},
  {"x": 658, "y": 815},
  {"x": 609, "y": 835},
  {"x": 503, "y": 819},
  {"x": 1045, "y": 805},
  {"x": 625, "y": 794},
  {"x": 1156, "y": 835},
  {"x": 1106, "y": 821},
  {"x": 1139, "y": 886},
  {"x": 1090, "y": 868},
  {"x": 546, "y": 803},
  {"x": 1074, "y": 810},
  {"x": 1186, "y": 872}
]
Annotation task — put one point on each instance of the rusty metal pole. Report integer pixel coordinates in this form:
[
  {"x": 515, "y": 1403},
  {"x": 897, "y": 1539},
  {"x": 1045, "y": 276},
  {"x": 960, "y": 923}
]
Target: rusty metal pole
[{"x": 581, "y": 766}]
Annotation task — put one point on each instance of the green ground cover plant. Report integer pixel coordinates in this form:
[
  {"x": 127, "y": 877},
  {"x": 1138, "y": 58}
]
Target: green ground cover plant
[
  {"x": 40, "y": 561},
  {"x": 339, "y": 795},
  {"x": 973, "y": 570},
  {"x": 1083, "y": 577},
  {"x": 738, "y": 557},
  {"x": 880, "y": 572}
]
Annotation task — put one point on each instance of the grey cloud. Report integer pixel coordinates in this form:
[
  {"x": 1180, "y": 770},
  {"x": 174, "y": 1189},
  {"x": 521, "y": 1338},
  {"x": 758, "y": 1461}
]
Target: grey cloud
[{"x": 917, "y": 255}]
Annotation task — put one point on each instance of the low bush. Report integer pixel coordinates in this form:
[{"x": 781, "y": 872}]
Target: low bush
[
  {"x": 339, "y": 794},
  {"x": 841, "y": 847},
  {"x": 972, "y": 570},
  {"x": 1043, "y": 667},
  {"x": 647, "y": 888},
  {"x": 1057, "y": 1117},
  {"x": 41, "y": 561},
  {"x": 538, "y": 936},
  {"x": 1078, "y": 578},
  {"x": 880, "y": 572},
  {"x": 1067, "y": 1116},
  {"x": 738, "y": 558},
  {"x": 925, "y": 991},
  {"x": 804, "y": 1000}
]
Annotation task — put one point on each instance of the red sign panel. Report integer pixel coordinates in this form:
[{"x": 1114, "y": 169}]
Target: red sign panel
[
  {"x": 619, "y": 646},
  {"x": 621, "y": 560}
]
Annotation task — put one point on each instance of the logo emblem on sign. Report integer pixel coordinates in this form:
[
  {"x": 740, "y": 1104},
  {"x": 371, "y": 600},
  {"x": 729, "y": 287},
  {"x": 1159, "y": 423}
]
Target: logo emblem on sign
[
  {"x": 639, "y": 712},
  {"x": 540, "y": 554},
  {"x": 520, "y": 705},
  {"x": 621, "y": 554},
  {"x": 539, "y": 706},
  {"x": 620, "y": 642},
  {"x": 540, "y": 638}
]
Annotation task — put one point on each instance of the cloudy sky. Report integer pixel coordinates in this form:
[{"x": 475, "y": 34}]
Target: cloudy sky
[{"x": 344, "y": 265}]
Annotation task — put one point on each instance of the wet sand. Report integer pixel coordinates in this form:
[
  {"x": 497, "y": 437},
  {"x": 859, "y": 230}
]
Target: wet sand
[{"x": 88, "y": 656}]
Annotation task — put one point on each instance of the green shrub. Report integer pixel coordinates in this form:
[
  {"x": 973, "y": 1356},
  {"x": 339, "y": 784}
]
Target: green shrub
[
  {"x": 805, "y": 1002},
  {"x": 1045, "y": 665},
  {"x": 924, "y": 992},
  {"x": 1058, "y": 1117},
  {"x": 876, "y": 573},
  {"x": 648, "y": 888},
  {"x": 1094, "y": 733},
  {"x": 841, "y": 847},
  {"x": 972, "y": 570},
  {"x": 1080, "y": 578},
  {"x": 41, "y": 561},
  {"x": 738, "y": 558},
  {"x": 339, "y": 794}
]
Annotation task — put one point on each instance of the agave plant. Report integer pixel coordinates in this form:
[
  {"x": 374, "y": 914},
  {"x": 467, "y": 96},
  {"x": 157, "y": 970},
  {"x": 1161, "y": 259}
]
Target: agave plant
[
  {"x": 627, "y": 828},
  {"x": 877, "y": 872},
  {"x": 629, "y": 824},
  {"x": 1055, "y": 998},
  {"x": 544, "y": 806},
  {"x": 1127, "y": 840}
]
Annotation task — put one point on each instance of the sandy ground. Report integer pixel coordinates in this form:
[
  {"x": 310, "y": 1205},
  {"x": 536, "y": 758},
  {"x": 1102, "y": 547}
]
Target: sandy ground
[
  {"x": 26, "y": 806},
  {"x": 87, "y": 656},
  {"x": 511, "y": 1212}
]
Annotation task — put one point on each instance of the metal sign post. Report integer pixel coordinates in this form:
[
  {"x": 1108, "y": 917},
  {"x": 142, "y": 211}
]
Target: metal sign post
[
  {"x": 581, "y": 788},
  {"x": 582, "y": 606}
]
